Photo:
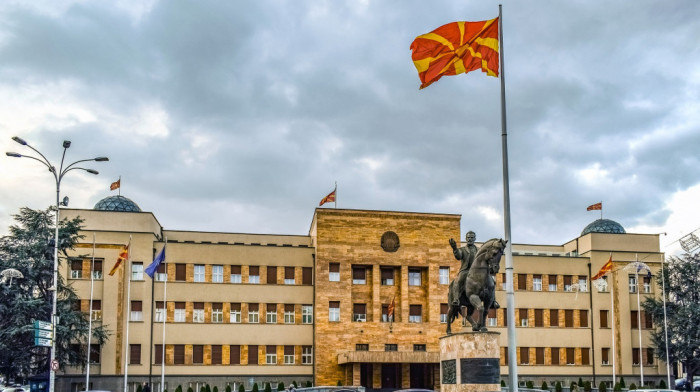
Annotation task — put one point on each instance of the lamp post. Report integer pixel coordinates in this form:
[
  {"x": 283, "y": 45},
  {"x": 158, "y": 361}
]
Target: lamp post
[{"x": 58, "y": 175}]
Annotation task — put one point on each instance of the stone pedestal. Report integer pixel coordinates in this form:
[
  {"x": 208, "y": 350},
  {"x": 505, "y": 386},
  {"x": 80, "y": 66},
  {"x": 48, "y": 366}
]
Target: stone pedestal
[{"x": 470, "y": 362}]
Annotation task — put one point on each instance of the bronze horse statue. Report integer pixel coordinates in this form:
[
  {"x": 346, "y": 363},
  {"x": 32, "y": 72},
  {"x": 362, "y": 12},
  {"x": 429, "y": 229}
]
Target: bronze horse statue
[{"x": 479, "y": 288}]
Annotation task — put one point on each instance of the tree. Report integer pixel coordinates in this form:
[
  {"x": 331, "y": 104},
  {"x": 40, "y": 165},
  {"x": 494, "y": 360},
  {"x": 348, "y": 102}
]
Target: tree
[
  {"x": 241, "y": 388},
  {"x": 309, "y": 384},
  {"x": 587, "y": 387},
  {"x": 280, "y": 386},
  {"x": 530, "y": 384},
  {"x": 255, "y": 387},
  {"x": 602, "y": 387},
  {"x": 557, "y": 387},
  {"x": 544, "y": 387},
  {"x": 179, "y": 388},
  {"x": 662, "y": 384},
  {"x": 622, "y": 383},
  {"x": 228, "y": 388},
  {"x": 189, "y": 389},
  {"x": 29, "y": 249},
  {"x": 682, "y": 277},
  {"x": 268, "y": 388},
  {"x": 633, "y": 386},
  {"x": 215, "y": 389}
]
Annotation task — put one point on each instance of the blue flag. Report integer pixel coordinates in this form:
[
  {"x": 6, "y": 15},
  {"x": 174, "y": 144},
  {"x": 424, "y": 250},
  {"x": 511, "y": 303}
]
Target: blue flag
[{"x": 151, "y": 269}]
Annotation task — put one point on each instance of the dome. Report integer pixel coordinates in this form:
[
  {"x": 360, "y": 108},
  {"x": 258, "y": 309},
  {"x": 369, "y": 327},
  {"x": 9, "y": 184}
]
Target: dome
[
  {"x": 604, "y": 226},
  {"x": 117, "y": 203}
]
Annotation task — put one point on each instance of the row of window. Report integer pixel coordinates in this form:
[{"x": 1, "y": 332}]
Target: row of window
[
  {"x": 194, "y": 354},
  {"x": 216, "y": 312},
  {"x": 389, "y": 347},
  {"x": 567, "y": 283},
  {"x": 567, "y": 356},
  {"x": 359, "y": 313},
  {"x": 200, "y": 274},
  {"x": 387, "y": 274}
]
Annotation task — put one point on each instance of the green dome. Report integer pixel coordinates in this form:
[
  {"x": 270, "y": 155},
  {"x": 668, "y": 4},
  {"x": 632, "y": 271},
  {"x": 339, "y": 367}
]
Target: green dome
[
  {"x": 604, "y": 226},
  {"x": 117, "y": 203}
]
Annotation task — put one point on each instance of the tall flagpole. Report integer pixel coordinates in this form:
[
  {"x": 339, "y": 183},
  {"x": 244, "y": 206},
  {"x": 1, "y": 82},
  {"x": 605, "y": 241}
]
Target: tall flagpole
[
  {"x": 165, "y": 307},
  {"x": 639, "y": 322},
  {"x": 512, "y": 358},
  {"x": 612, "y": 317},
  {"x": 335, "y": 200},
  {"x": 127, "y": 349},
  {"x": 89, "y": 335},
  {"x": 663, "y": 288}
]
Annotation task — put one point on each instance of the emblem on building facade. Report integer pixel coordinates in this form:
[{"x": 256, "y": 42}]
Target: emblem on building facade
[{"x": 390, "y": 241}]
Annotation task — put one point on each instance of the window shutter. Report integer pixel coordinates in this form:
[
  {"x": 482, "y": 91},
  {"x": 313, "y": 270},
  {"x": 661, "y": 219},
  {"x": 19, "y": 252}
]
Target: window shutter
[
  {"x": 289, "y": 308},
  {"x": 306, "y": 275},
  {"x": 254, "y": 270},
  {"x": 333, "y": 267},
  {"x": 236, "y": 306},
  {"x": 414, "y": 310},
  {"x": 236, "y": 269},
  {"x": 271, "y": 275},
  {"x": 235, "y": 355}
]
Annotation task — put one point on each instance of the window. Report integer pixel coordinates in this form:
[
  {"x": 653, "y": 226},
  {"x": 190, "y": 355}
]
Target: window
[
  {"x": 583, "y": 318},
  {"x": 289, "y": 313},
  {"x": 199, "y": 273},
  {"x": 136, "y": 311},
  {"x": 492, "y": 319},
  {"x": 180, "y": 272},
  {"x": 253, "y": 315},
  {"x": 271, "y": 275},
  {"x": 179, "y": 312},
  {"x": 524, "y": 355},
  {"x": 253, "y": 355},
  {"x": 570, "y": 357},
  {"x": 197, "y": 354},
  {"x": 254, "y": 274},
  {"x": 633, "y": 286},
  {"x": 271, "y": 355},
  {"x": 179, "y": 354},
  {"x": 647, "y": 320},
  {"x": 386, "y": 317},
  {"x": 522, "y": 282},
  {"x": 415, "y": 314},
  {"x": 503, "y": 282},
  {"x": 646, "y": 281},
  {"x": 633, "y": 319},
  {"x": 504, "y": 355},
  {"x": 539, "y": 319},
  {"x": 334, "y": 272},
  {"x": 359, "y": 312},
  {"x": 289, "y": 355},
  {"x": 216, "y": 354},
  {"x": 134, "y": 354},
  {"x": 444, "y": 308},
  {"x": 387, "y": 276},
  {"x": 649, "y": 357},
  {"x": 95, "y": 351},
  {"x": 567, "y": 283},
  {"x": 236, "y": 274},
  {"x": 289, "y": 275},
  {"x": 307, "y": 314},
  {"x": 539, "y": 355},
  {"x": 505, "y": 317},
  {"x": 582, "y": 283},
  {"x": 414, "y": 278},
  {"x": 568, "y": 318},
  {"x": 555, "y": 355},
  {"x": 217, "y": 273},
  {"x": 635, "y": 356},
  {"x": 605, "y": 355},
  {"x": 444, "y": 275},
  {"x": 359, "y": 275},
  {"x": 391, "y": 347},
  {"x": 97, "y": 269},
  {"x": 522, "y": 316},
  {"x": 306, "y": 355},
  {"x": 217, "y": 312},
  {"x": 604, "y": 319},
  {"x": 334, "y": 311},
  {"x": 271, "y": 314},
  {"x": 136, "y": 271},
  {"x": 198, "y": 312},
  {"x": 585, "y": 356},
  {"x": 419, "y": 347},
  {"x": 604, "y": 289},
  {"x": 362, "y": 347},
  {"x": 235, "y": 354},
  {"x": 160, "y": 311},
  {"x": 553, "y": 317},
  {"x": 96, "y": 311},
  {"x": 76, "y": 269},
  {"x": 307, "y": 276},
  {"x": 235, "y": 313},
  {"x": 161, "y": 274},
  {"x": 537, "y": 282},
  {"x": 552, "y": 282}
]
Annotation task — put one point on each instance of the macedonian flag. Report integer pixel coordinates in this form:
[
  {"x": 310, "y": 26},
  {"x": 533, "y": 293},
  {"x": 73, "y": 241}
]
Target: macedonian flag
[
  {"x": 455, "y": 48},
  {"x": 123, "y": 255}
]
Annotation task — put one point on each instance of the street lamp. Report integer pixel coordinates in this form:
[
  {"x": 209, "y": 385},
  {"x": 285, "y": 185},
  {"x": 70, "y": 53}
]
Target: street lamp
[{"x": 58, "y": 176}]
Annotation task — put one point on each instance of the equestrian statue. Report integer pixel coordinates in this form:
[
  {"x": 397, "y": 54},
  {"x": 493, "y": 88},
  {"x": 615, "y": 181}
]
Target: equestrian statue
[{"x": 474, "y": 287}]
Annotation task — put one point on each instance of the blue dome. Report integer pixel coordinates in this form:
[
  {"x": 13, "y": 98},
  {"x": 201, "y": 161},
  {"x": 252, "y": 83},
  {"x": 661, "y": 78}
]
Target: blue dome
[
  {"x": 604, "y": 226},
  {"x": 117, "y": 203}
]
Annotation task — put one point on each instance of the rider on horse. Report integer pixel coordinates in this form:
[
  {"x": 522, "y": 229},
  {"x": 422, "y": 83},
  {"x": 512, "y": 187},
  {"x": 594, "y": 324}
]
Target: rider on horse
[{"x": 466, "y": 256}]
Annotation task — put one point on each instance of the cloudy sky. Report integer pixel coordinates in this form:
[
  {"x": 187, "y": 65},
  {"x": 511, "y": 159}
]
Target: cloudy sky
[{"x": 239, "y": 116}]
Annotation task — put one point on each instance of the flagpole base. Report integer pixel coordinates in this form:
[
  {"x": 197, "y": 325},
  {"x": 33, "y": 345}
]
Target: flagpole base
[{"x": 470, "y": 362}]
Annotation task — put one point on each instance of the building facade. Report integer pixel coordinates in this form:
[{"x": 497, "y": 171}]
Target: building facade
[{"x": 360, "y": 300}]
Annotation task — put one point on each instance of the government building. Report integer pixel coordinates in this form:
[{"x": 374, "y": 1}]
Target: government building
[{"x": 361, "y": 299}]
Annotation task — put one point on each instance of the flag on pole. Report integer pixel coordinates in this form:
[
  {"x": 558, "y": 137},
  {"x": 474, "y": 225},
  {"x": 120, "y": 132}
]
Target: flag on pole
[
  {"x": 115, "y": 185},
  {"x": 596, "y": 206},
  {"x": 328, "y": 199},
  {"x": 390, "y": 310},
  {"x": 607, "y": 267},
  {"x": 455, "y": 48},
  {"x": 160, "y": 258},
  {"x": 123, "y": 255}
]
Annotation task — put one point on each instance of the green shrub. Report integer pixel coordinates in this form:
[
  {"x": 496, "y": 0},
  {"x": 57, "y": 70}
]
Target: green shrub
[
  {"x": 557, "y": 387},
  {"x": 208, "y": 388},
  {"x": 662, "y": 384},
  {"x": 602, "y": 387},
  {"x": 617, "y": 387},
  {"x": 216, "y": 389},
  {"x": 179, "y": 388},
  {"x": 633, "y": 386},
  {"x": 189, "y": 389},
  {"x": 139, "y": 389},
  {"x": 255, "y": 387},
  {"x": 503, "y": 383},
  {"x": 530, "y": 385},
  {"x": 280, "y": 386},
  {"x": 202, "y": 389},
  {"x": 228, "y": 388},
  {"x": 572, "y": 386},
  {"x": 268, "y": 388},
  {"x": 544, "y": 387},
  {"x": 308, "y": 384},
  {"x": 294, "y": 383},
  {"x": 587, "y": 386},
  {"x": 241, "y": 388},
  {"x": 622, "y": 383},
  {"x": 340, "y": 384}
]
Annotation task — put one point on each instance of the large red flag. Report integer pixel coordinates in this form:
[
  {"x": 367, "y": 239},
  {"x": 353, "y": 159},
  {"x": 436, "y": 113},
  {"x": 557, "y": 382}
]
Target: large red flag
[
  {"x": 607, "y": 267},
  {"x": 123, "y": 255},
  {"x": 330, "y": 198},
  {"x": 596, "y": 206},
  {"x": 455, "y": 48}
]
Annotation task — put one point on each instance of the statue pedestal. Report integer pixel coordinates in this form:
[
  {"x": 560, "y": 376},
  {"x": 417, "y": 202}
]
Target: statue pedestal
[{"x": 470, "y": 362}]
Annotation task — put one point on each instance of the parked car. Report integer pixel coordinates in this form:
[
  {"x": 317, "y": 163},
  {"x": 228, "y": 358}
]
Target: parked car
[{"x": 15, "y": 389}]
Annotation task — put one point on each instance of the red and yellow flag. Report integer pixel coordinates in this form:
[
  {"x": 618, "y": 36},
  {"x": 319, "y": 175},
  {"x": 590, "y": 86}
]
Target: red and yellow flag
[
  {"x": 455, "y": 48},
  {"x": 123, "y": 255},
  {"x": 596, "y": 206},
  {"x": 115, "y": 184},
  {"x": 607, "y": 267},
  {"x": 330, "y": 198},
  {"x": 390, "y": 309}
]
